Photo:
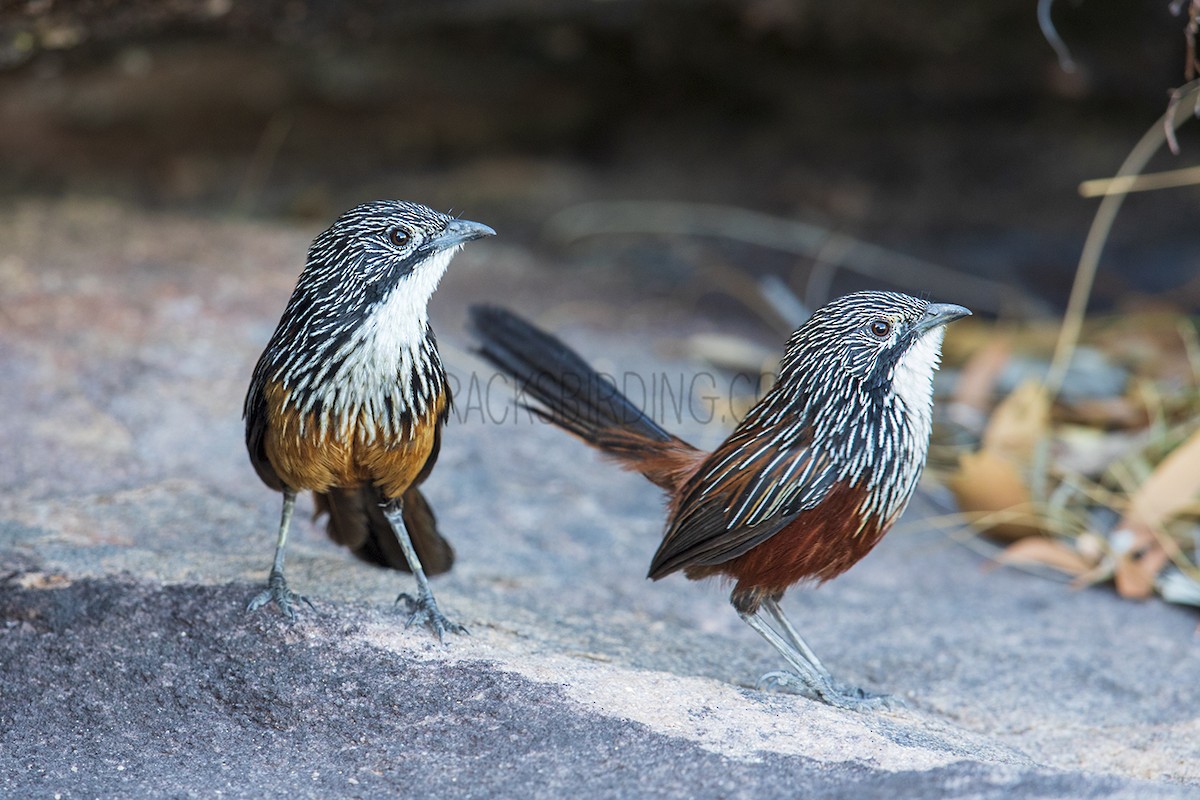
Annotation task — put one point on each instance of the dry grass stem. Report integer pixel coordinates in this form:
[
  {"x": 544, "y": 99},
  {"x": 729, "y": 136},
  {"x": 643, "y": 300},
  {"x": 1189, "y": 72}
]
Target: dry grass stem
[
  {"x": 785, "y": 235},
  {"x": 1170, "y": 179},
  {"x": 1093, "y": 247}
]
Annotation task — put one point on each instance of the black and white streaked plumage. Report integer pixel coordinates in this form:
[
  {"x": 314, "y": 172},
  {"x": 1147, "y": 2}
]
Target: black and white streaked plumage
[
  {"x": 807, "y": 483},
  {"x": 349, "y": 396},
  {"x": 852, "y": 408}
]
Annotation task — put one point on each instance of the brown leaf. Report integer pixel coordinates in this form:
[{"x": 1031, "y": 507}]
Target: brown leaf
[
  {"x": 977, "y": 378},
  {"x": 1018, "y": 423},
  {"x": 1147, "y": 340},
  {"x": 1138, "y": 568},
  {"x": 1050, "y": 552},
  {"x": 1174, "y": 484},
  {"x": 987, "y": 483},
  {"x": 1108, "y": 413}
]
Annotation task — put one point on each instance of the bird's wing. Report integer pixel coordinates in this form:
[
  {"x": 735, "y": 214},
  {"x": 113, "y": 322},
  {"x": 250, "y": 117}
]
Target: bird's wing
[
  {"x": 747, "y": 491},
  {"x": 257, "y": 419}
]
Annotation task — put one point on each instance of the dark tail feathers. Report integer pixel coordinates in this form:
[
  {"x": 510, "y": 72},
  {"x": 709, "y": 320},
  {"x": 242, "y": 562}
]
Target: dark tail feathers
[
  {"x": 576, "y": 397},
  {"x": 356, "y": 520}
]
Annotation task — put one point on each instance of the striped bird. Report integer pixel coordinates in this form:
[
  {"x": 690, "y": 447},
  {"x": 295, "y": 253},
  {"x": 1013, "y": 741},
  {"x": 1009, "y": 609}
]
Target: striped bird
[
  {"x": 349, "y": 397},
  {"x": 804, "y": 487}
]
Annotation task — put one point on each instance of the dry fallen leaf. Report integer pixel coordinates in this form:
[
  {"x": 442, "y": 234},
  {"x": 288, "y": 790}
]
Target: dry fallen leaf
[
  {"x": 987, "y": 483},
  {"x": 1138, "y": 567},
  {"x": 977, "y": 378},
  {"x": 1018, "y": 423},
  {"x": 1050, "y": 552},
  {"x": 993, "y": 479},
  {"x": 1174, "y": 484},
  {"x": 1047, "y": 470},
  {"x": 1150, "y": 342},
  {"x": 1108, "y": 413}
]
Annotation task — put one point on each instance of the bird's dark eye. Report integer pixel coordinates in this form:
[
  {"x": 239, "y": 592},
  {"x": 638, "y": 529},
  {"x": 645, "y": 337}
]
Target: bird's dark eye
[
  {"x": 881, "y": 328},
  {"x": 399, "y": 237}
]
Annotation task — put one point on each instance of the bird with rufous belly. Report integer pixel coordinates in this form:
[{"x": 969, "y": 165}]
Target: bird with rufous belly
[
  {"x": 349, "y": 397},
  {"x": 808, "y": 482}
]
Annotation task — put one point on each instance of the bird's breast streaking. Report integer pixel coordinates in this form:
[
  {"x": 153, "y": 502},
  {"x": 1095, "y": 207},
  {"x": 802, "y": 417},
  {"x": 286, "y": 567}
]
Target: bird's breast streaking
[
  {"x": 370, "y": 390},
  {"x": 380, "y": 371}
]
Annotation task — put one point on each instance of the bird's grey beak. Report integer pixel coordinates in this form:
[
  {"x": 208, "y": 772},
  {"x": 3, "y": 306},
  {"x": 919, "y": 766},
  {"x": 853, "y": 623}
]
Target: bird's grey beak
[
  {"x": 937, "y": 314},
  {"x": 458, "y": 232}
]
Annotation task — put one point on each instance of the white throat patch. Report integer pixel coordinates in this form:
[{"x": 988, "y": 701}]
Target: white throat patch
[
  {"x": 379, "y": 363},
  {"x": 913, "y": 379},
  {"x": 398, "y": 324}
]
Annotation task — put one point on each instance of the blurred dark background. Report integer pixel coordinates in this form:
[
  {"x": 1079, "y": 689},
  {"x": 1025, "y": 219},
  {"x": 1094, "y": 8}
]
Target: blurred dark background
[{"x": 937, "y": 129}]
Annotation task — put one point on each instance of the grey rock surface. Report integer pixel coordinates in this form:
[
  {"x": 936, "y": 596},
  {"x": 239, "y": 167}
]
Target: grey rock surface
[{"x": 133, "y": 531}]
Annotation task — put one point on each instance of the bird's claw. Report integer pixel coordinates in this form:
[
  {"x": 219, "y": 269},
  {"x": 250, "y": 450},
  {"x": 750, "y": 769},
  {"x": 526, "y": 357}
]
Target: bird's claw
[
  {"x": 880, "y": 699},
  {"x": 424, "y": 610},
  {"x": 833, "y": 693},
  {"x": 277, "y": 592}
]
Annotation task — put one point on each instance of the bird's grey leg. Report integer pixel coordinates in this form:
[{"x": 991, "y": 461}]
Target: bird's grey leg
[
  {"x": 772, "y": 606},
  {"x": 814, "y": 683},
  {"x": 423, "y": 608},
  {"x": 277, "y": 589},
  {"x": 797, "y": 641},
  {"x": 818, "y": 685}
]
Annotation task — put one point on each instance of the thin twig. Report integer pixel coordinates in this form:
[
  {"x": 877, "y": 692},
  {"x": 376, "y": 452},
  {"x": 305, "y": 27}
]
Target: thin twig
[
  {"x": 265, "y": 153},
  {"x": 783, "y": 300},
  {"x": 1168, "y": 122},
  {"x": 1106, "y": 214},
  {"x": 785, "y": 235},
  {"x": 824, "y": 269},
  {"x": 1191, "y": 346},
  {"x": 1171, "y": 179},
  {"x": 1065, "y": 62}
]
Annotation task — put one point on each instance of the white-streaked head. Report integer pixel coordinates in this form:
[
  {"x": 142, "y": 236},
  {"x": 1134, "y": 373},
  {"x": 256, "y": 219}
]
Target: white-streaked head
[
  {"x": 355, "y": 331},
  {"x": 380, "y": 259},
  {"x": 860, "y": 373},
  {"x": 880, "y": 341},
  {"x": 380, "y": 247}
]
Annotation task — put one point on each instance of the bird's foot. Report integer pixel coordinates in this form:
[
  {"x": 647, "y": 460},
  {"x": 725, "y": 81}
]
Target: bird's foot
[
  {"x": 833, "y": 693},
  {"x": 879, "y": 699},
  {"x": 277, "y": 592},
  {"x": 423, "y": 610}
]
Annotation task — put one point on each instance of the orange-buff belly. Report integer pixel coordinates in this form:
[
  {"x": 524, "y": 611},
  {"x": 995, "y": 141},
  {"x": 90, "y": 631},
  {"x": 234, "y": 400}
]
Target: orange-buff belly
[{"x": 347, "y": 455}]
